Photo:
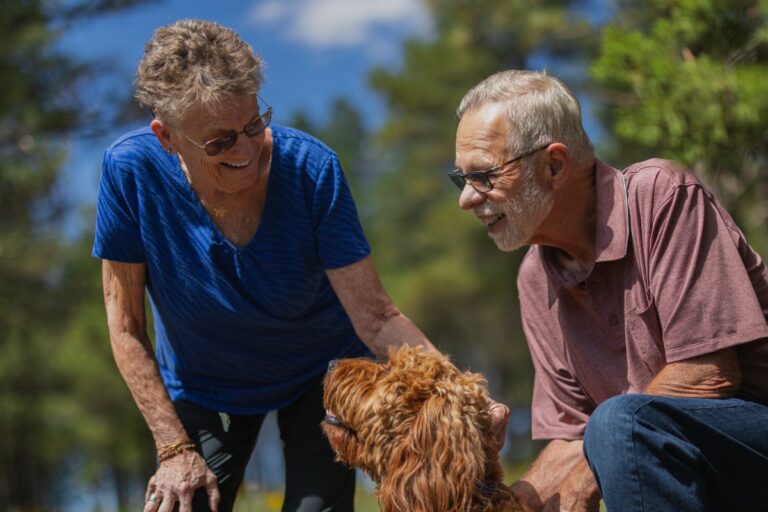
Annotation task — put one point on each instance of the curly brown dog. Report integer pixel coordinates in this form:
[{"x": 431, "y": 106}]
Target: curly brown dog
[{"x": 420, "y": 429}]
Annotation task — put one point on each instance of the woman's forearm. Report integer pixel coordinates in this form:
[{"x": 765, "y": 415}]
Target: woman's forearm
[
  {"x": 139, "y": 369},
  {"x": 124, "y": 302}
]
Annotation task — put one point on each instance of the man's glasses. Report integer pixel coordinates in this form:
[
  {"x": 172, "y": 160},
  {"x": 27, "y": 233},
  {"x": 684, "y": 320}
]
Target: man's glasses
[
  {"x": 224, "y": 142},
  {"x": 481, "y": 180}
]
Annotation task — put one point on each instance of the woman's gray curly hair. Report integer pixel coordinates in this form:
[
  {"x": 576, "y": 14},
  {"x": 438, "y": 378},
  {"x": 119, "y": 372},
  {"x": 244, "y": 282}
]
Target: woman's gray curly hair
[{"x": 195, "y": 64}]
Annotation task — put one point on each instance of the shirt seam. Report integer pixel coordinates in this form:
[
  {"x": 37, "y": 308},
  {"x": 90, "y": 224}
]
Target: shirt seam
[
  {"x": 753, "y": 332},
  {"x": 680, "y": 186},
  {"x": 555, "y": 433}
]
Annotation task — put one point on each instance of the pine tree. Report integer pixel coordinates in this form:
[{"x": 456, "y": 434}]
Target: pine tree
[
  {"x": 686, "y": 80},
  {"x": 39, "y": 108},
  {"x": 435, "y": 259}
]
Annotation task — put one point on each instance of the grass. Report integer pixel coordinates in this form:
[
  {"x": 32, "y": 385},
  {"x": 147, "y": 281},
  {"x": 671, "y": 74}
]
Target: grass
[
  {"x": 271, "y": 501},
  {"x": 255, "y": 500}
]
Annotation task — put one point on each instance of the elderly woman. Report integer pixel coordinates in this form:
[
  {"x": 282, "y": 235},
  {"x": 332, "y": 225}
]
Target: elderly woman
[{"x": 248, "y": 243}]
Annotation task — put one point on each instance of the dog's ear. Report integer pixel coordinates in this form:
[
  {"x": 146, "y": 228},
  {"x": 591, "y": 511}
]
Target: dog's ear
[{"x": 439, "y": 465}]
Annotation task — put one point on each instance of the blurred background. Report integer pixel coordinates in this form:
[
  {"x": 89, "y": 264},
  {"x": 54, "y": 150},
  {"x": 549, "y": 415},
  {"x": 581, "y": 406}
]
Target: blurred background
[{"x": 379, "y": 82}]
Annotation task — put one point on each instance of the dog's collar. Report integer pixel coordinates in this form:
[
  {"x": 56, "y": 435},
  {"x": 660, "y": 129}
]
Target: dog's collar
[
  {"x": 487, "y": 489},
  {"x": 336, "y": 422},
  {"x": 492, "y": 495}
]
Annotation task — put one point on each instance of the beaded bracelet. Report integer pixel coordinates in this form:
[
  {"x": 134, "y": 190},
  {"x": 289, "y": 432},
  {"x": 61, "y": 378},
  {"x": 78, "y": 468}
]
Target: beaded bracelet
[{"x": 172, "y": 450}]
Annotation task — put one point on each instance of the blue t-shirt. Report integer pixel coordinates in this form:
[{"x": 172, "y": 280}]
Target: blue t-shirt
[{"x": 240, "y": 330}]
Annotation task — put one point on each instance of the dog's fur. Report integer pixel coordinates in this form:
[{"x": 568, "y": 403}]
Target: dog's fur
[{"x": 420, "y": 429}]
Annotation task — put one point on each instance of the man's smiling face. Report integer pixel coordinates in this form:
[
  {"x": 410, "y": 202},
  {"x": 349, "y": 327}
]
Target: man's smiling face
[{"x": 519, "y": 201}]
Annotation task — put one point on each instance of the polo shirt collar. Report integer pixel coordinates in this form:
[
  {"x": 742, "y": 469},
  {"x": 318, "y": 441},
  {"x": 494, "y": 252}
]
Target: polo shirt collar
[{"x": 611, "y": 229}]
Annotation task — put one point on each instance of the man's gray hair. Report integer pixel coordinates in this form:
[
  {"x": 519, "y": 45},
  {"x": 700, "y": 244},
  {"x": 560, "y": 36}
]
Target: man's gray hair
[
  {"x": 540, "y": 109},
  {"x": 195, "y": 64}
]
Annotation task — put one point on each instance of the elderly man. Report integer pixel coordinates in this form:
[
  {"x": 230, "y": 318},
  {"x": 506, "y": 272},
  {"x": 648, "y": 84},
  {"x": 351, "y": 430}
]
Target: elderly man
[{"x": 643, "y": 305}]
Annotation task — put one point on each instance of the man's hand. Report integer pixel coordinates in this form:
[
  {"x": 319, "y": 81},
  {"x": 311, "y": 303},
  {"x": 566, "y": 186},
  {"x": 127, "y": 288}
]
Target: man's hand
[
  {"x": 559, "y": 479},
  {"x": 177, "y": 479},
  {"x": 577, "y": 493},
  {"x": 499, "y": 419}
]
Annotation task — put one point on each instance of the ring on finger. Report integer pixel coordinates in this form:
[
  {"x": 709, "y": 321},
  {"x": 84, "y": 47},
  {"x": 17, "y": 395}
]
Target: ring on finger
[{"x": 152, "y": 497}]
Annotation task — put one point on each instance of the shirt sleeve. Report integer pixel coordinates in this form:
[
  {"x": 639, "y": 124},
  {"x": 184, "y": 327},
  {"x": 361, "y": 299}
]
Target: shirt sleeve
[
  {"x": 117, "y": 235},
  {"x": 340, "y": 237},
  {"x": 559, "y": 408},
  {"x": 695, "y": 260}
]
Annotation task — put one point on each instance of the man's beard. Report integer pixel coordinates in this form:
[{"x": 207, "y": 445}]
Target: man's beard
[{"x": 523, "y": 213}]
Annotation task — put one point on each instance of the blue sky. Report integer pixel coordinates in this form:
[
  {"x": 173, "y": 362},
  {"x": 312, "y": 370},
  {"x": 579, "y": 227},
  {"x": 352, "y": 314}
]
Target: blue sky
[{"x": 314, "y": 51}]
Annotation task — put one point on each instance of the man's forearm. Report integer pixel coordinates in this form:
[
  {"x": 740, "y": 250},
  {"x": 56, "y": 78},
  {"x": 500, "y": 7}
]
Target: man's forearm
[{"x": 716, "y": 375}]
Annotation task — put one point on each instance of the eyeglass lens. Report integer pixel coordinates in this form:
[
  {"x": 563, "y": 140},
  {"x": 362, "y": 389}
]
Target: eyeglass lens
[
  {"x": 220, "y": 144},
  {"x": 479, "y": 181},
  {"x": 457, "y": 180}
]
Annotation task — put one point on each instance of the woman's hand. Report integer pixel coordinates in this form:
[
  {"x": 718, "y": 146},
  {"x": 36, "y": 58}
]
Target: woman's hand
[{"x": 177, "y": 479}]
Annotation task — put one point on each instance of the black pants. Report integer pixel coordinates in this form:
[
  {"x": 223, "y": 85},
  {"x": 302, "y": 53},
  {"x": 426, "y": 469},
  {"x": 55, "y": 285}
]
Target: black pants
[{"x": 314, "y": 482}]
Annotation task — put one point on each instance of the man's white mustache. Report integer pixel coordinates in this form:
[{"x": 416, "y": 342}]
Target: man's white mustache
[{"x": 484, "y": 211}]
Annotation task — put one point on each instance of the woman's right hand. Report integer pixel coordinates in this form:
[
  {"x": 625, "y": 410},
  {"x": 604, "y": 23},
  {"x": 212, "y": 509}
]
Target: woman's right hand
[{"x": 177, "y": 479}]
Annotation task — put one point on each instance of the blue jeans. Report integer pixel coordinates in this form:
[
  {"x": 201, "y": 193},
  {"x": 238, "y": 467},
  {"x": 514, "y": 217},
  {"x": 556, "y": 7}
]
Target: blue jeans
[{"x": 658, "y": 454}]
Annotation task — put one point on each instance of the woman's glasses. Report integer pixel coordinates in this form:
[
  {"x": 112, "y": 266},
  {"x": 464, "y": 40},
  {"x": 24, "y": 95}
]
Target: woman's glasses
[{"x": 224, "y": 142}]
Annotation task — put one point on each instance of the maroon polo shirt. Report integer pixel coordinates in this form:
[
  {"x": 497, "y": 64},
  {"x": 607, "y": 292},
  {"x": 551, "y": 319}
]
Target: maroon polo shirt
[{"x": 673, "y": 279}]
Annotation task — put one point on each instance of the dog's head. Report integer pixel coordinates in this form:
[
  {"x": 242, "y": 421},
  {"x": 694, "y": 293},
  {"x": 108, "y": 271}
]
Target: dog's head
[{"x": 419, "y": 428}]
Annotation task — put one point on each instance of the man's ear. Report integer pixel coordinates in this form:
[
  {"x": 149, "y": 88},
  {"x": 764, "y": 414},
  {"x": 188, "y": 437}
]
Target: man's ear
[
  {"x": 163, "y": 134},
  {"x": 558, "y": 163}
]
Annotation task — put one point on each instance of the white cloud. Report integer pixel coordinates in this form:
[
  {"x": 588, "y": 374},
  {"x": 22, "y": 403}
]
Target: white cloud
[
  {"x": 270, "y": 11},
  {"x": 341, "y": 23}
]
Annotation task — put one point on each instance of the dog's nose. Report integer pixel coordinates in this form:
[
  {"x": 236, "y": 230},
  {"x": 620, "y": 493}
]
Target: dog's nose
[{"x": 333, "y": 363}]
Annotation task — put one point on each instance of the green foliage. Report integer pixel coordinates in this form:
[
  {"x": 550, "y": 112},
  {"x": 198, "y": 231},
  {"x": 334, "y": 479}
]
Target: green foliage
[
  {"x": 55, "y": 393},
  {"x": 93, "y": 407},
  {"x": 435, "y": 260},
  {"x": 685, "y": 79},
  {"x": 680, "y": 78},
  {"x": 32, "y": 113},
  {"x": 346, "y": 134}
]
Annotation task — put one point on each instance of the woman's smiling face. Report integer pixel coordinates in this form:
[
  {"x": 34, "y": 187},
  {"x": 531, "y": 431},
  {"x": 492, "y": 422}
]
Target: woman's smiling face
[{"x": 235, "y": 169}]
